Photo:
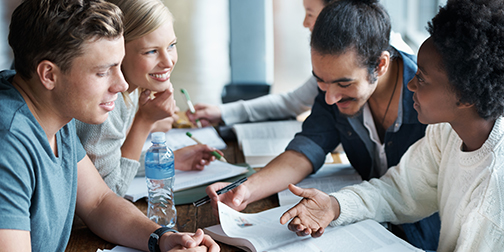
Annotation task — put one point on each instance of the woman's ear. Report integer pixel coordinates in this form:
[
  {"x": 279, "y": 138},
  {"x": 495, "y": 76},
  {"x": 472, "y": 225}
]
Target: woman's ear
[
  {"x": 47, "y": 73},
  {"x": 464, "y": 104},
  {"x": 384, "y": 64}
]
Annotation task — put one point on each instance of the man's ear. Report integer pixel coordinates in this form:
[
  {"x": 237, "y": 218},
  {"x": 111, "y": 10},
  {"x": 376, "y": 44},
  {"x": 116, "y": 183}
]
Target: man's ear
[
  {"x": 47, "y": 72},
  {"x": 384, "y": 64}
]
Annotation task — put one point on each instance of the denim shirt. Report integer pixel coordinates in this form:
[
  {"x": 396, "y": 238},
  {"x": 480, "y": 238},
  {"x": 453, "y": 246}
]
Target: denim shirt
[{"x": 326, "y": 128}]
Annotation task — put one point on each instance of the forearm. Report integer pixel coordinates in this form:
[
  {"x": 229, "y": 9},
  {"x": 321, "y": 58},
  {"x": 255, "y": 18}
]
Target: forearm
[
  {"x": 272, "y": 106},
  {"x": 288, "y": 168},
  {"x": 132, "y": 229}
]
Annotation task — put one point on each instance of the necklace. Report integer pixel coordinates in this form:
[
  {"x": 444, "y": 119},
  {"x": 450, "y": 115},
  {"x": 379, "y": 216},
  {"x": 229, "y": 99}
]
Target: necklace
[{"x": 393, "y": 92}]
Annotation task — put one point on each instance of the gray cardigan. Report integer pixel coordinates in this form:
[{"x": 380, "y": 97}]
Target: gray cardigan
[{"x": 103, "y": 143}]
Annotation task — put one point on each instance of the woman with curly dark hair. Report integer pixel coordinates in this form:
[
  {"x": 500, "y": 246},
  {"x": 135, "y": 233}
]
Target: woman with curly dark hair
[{"x": 457, "y": 168}]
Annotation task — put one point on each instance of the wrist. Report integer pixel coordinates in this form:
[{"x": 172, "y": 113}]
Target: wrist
[
  {"x": 155, "y": 237},
  {"x": 143, "y": 119},
  {"x": 335, "y": 206}
]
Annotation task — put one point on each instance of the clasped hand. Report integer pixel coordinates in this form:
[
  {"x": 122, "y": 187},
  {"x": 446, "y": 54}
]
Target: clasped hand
[
  {"x": 188, "y": 242},
  {"x": 312, "y": 214}
]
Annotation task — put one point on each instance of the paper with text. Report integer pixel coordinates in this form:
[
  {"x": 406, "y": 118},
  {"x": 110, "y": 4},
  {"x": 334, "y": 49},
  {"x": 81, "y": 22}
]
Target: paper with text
[{"x": 263, "y": 232}]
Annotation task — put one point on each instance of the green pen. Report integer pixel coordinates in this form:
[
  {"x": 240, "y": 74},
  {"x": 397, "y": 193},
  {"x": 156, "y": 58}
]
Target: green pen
[
  {"x": 190, "y": 105},
  {"x": 214, "y": 153}
]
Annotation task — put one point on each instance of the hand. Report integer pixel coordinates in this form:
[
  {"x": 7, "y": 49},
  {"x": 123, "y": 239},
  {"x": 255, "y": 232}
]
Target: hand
[
  {"x": 236, "y": 198},
  {"x": 194, "y": 157},
  {"x": 163, "y": 105},
  {"x": 312, "y": 214},
  {"x": 208, "y": 114},
  {"x": 187, "y": 242},
  {"x": 166, "y": 124}
]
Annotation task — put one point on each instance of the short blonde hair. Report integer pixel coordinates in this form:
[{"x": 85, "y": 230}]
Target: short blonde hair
[
  {"x": 142, "y": 17},
  {"x": 56, "y": 30}
]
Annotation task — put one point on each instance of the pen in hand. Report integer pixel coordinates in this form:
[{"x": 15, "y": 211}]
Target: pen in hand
[
  {"x": 225, "y": 189},
  {"x": 190, "y": 105},
  {"x": 214, "y": 153}
]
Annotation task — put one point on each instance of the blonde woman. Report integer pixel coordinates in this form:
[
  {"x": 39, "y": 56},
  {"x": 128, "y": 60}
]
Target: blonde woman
[{"x": 115, "y": 147}]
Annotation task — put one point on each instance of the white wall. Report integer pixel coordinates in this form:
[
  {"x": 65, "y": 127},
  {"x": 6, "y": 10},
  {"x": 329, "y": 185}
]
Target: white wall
[{"x": 202, "y": 29}]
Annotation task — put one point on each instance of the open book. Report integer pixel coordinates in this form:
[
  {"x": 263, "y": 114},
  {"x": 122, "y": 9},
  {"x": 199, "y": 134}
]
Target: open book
[
  {"x": 263, "y": 232},
  {"x": 263, "y": 141}
]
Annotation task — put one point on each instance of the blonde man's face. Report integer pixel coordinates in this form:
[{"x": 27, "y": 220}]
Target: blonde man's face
[{"x": 89, "y": 89}]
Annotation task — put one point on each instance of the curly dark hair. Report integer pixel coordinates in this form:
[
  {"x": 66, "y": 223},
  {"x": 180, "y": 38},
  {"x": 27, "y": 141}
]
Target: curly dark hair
[
  {"x": 363, "y": 25},
  {"x": 469, "y": 35}
]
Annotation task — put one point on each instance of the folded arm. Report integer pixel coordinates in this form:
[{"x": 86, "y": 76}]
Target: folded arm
[{"x": 118, "y": 220}]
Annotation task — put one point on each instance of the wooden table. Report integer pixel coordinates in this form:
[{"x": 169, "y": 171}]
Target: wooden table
[{"x": 189, "y": 218}]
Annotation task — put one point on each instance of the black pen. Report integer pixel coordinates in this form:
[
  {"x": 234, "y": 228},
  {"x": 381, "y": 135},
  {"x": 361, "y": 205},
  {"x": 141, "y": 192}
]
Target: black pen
[{"x": 226, "y": 189}]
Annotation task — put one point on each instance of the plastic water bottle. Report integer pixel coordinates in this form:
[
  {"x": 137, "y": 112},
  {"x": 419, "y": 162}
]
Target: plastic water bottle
[{"x": 160, "y": 176}]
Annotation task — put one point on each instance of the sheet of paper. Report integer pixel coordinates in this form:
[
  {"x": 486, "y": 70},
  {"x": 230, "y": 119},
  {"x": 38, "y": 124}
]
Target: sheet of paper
[
  {"x": 364, "y": 236},
  {"x": 261, "y": 142},
  {"x": 267, "y": 130},
  {"x": 259, "y": 152},
  {"x": 120, "y": 249},
  {"x": 215, "y": 171},
  {"x": 330, "y": 178},
  {"x": 264, "y": 232},
  {"x": 177, "y": 138}
]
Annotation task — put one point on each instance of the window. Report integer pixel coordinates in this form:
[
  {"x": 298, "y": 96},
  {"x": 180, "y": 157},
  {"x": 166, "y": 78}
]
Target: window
[{"x": 410, "y": 18}]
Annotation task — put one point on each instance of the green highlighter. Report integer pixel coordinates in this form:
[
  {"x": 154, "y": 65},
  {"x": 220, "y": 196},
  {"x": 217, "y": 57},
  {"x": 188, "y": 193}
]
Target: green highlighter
[
  {"x": 214, "y": 153},
  {"x": 190, "y": 105}
]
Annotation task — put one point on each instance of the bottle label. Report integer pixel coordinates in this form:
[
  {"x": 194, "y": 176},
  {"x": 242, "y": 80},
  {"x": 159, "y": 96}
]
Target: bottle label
[{"x": 159, "y": 166}]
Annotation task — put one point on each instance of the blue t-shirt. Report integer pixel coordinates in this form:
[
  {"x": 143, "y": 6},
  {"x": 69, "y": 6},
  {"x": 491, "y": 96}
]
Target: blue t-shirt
[{"x": 38, "y": 190}]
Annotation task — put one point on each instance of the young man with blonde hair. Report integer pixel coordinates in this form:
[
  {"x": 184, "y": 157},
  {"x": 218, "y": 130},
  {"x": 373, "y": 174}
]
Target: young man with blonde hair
[{"x": 67, "y": 59}]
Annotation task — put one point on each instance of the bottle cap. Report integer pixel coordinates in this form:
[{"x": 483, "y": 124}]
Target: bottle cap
[{"x": 158, "y": 137}]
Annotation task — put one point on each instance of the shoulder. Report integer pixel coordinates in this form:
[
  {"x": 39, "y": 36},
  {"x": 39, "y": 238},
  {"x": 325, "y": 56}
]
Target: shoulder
[
  {"x": 13, "y": 104},
  {"x": 17, "y": 152},
  {"x": 441, "y": 135}
]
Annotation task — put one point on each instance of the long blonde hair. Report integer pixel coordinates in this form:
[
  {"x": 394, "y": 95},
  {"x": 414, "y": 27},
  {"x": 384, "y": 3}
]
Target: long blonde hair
[{"x": 141, "y": 17}]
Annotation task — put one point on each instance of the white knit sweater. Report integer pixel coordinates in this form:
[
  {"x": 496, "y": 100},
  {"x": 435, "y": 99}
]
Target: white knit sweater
[{"x": 467, "y": 188}]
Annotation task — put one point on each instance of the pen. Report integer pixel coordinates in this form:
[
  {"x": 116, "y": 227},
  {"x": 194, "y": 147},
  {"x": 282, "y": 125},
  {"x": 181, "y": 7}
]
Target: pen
[
  {"x": 226, "y": 189},
  {"x": 214, "y": 153},
  {"x": 190, "y": 105}
]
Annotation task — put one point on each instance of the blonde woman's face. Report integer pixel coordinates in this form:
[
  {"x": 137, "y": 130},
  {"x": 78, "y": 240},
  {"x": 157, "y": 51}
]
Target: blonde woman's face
[{"x": 149, "y": 60}]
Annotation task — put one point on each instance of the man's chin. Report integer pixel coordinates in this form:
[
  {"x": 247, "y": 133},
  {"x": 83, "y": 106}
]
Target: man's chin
[{"x": 356, "y": 114}]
